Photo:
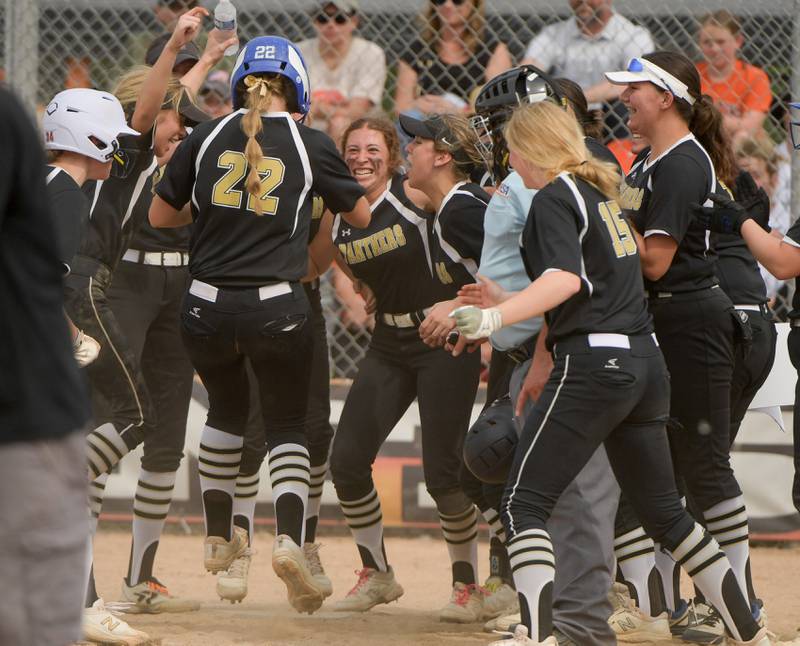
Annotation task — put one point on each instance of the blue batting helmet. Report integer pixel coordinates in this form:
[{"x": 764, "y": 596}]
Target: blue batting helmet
[{"x": 277, "y": 55}]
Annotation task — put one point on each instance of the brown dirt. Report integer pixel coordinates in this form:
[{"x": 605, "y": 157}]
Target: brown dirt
[{"x": 266, "y": 619}]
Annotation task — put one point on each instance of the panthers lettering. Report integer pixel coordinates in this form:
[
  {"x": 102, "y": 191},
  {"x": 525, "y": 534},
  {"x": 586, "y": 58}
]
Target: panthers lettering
[{"x": 377, "y": 244}]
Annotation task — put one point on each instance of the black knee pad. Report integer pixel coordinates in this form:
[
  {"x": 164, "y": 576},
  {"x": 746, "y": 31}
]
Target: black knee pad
[{"x": 450, "y": 501}]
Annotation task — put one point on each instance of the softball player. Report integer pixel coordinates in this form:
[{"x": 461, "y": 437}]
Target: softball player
[
  {"x": 609, "y": 383},
  {"x": 250, "y": 177},
  {"x": 393, "y": 258},
  {"x": 695, "y": 320}
]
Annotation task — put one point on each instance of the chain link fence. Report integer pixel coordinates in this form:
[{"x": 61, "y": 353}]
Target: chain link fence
[{"x": 46, "y": 45}]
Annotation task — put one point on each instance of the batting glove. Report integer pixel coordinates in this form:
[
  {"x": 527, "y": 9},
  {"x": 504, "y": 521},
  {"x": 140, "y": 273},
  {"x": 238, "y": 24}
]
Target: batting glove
[
  {"x": 726, "y": 216},
  {"x": 753, "y": 198},
  {"x": 475, "y": 323},
  {"x": 85, "y": 349}
]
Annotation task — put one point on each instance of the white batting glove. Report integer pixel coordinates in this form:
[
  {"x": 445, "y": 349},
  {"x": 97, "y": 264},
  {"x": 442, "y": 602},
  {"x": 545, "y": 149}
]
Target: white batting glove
[
  {"x": 85, "y": 349},
  {"x": 475, "y": 323}
]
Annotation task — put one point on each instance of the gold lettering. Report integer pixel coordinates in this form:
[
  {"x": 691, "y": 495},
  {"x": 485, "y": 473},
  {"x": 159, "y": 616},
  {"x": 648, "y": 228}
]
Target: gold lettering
[
  {"x": 631, "y": 198},
  {"x": 377, "y": 244},
  {"x": 399, "y": 236},
  {"x": 444, "y": 277}
]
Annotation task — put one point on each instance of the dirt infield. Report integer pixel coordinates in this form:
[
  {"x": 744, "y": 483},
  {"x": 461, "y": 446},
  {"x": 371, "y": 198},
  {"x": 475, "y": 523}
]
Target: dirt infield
[{"x": 266, "y": 619}]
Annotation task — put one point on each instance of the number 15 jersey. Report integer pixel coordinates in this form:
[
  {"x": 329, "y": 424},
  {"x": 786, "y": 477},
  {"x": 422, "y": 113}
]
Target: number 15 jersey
[{"x": 233, "y": 246}]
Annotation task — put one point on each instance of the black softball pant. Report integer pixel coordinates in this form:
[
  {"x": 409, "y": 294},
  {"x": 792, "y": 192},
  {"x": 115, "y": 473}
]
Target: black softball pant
[
  {"x": 319, "y": 432},
  {"x": 696, "y": 335},
  {"x": 599, "y": 395},
  {"x": 116, "y": 376},
  {"x": 398, "y": 368},
  {"x": 146, "y": 301},
  {"x": 274, "y": 335},
  {"x": 794, "y": 355},
  {"x": 751, "y": 369}
]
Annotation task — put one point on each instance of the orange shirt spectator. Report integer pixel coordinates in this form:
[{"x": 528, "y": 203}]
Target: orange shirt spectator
[{"x": 747, "y": 88}]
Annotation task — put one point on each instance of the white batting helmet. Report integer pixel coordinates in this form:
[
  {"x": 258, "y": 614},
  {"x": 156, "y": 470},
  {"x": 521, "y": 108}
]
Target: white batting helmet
[{"x": 85, "y": 121}]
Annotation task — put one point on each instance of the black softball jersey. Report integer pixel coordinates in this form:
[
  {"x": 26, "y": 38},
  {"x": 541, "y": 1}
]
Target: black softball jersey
[{"x": 70, "y": 212}]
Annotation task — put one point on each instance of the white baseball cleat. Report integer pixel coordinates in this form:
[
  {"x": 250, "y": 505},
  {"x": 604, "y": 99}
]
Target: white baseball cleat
[
  {"x": 152, "y": 597},
  {"x": 465, "y": 606},
  {"x": 311, "y": 552},
  {"x": 500, "y": 598},
  {"x": 232, "y": 583},
  {"x": 219, "y": 553},
  {"x": 631, "y": 625},
  {"x": 290, "y": 565},
  {"x": 371, "y": 589},
  {"x": 764, "y": 638},
  {"x": 102, "y": 627},
  {"x": 502, "y": 623},
  {"x": 520, "y": 638}
]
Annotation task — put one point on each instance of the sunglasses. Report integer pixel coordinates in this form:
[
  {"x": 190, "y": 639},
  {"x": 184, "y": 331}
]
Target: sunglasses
[
  {"x": 324, "y": 18},
  {"x": 439, "y": 3}
]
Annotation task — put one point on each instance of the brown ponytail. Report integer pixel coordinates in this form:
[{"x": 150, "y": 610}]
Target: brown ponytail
[
  {"x": 260, "y": 91},
  {"x": 572, "y": 92},
  {"x": 703, "y": 118}
]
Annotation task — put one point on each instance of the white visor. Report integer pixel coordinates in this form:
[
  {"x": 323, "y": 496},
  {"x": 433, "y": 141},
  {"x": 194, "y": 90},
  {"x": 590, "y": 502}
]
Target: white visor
[{"x": 641, "y": 70}]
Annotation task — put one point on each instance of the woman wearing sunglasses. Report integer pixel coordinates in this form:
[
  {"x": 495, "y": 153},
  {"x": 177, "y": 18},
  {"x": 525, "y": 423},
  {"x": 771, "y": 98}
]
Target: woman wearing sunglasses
[
  {"x": 453, "y": 56},
  {"x": 694, "y": 320},
  {"x": 345, "y": 88}
]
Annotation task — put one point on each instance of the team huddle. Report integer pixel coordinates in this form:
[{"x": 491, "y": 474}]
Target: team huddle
[{"x": 627, "y": 315}]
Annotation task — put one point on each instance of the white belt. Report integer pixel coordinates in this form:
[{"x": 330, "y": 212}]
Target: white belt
[
  {"x": 209, "y": 292},
  {"x": 603, "y": 340},
  {"x": 402, "y": 320},
  {"x": 748, "y": 308},
  {"x": 160, "y": 258}
]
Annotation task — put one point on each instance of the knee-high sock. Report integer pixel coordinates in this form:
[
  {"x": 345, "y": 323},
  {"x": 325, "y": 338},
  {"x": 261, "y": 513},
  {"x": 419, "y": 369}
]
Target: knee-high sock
[
  {"x": 219, "y": 458},
  {"x": 461, "y": 534},
  {"x": 492, "y": 518},
  {"x": 365, "y": 520},
  {"x": 244, "y": 503},
  {"x": 96, "y": 491},
  {"x": 634, "y": 551},
  {"x": 498, "y": 556},
  {"x": 289, "y": 474},
  {"x": 316, "y": 485},
  {"x": 105, "y": 446},
  {"x": 700, "y": 555},
  {"x": 533, "y": 564},
  {"x": 150, "y": 509},
  {"x": 670, "y": 574},
  {"x": 727, "y": 523}
]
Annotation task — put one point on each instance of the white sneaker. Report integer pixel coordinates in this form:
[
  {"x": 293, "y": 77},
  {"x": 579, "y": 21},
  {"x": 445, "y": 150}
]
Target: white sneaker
[
  {"x": 633, "y": 626},
  {"x": 619, "y": 596},
  {"x": 152, "y": 597},
  {"x": 465, "y": 606},
  {"x": 703, "y": 625},
  {"x": 520, "y": 638},
  {"x": 499, "y": 599},
  {"x": 371, "y": 589},
  {"x": 219, "y": 553},
  {"x": 232, "y": 583},
  {"x": 502, "y": 623},
  {"x": 311, "y": 552},
  {"x": 290, "y": 565},
  {"x": 102, "y": 627},
  {"x": 764, "y": 638}
]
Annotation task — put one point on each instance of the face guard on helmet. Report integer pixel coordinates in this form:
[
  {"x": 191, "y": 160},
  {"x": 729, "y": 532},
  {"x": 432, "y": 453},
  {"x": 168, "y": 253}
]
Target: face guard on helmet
[
  {"x": 794, "y": 128},
  {"x": 272, "y": 54},
  {"x": 495, "y": 103},
  {"x": 86, "y": 122}
]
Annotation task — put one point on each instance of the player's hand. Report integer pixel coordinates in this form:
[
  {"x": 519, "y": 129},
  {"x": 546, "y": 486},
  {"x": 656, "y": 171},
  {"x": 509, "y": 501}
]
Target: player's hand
[
  {"x": 726, "y": 216},
  {"x": 534, "y": 382},
  {"x": 363, "y": 290},
  {"x": 475, "y": 323},
  {"x": 457, "y": 343},
  {"x": 218, "y": 41},
  {"x": 485, "y": 293},
  {"x": 85, "y": 349},
  {"x": 753, "y": 198},
  {"x": 437, "y": 324},
  {"x": 187, "y": 28}
]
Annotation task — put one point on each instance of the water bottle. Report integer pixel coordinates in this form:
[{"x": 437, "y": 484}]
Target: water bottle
[{"x": 225, "y": 20}]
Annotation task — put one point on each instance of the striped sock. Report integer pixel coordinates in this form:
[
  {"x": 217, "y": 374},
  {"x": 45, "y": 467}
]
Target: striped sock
[
  {"x": 492, "y": 518},
  {"x": 219, "y": 458},
  {"x": 150, "y": 509},
  {"x": 105, "y": 447},
  {"x": 533, "y": 563},
  {"x": 461, "y": 535},
  {"x": 316, "y": 485},
  {"x": 244, "y": 503},
  {"x": 636, "y": 561},
  {"x": 700, "y": 555},
  {"x": 727, "y": 523},
  {"x": 670, "y": 574},
  {"x": 97, "y": 490},
  {"x": 365, "y": 520},
  {"x": 289, "y": 475}
]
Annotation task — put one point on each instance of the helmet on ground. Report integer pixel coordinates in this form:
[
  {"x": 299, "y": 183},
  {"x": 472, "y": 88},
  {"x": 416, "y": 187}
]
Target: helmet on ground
[
  {"x": 497, "y": 100},
  {"x": 85, "y": 121},
  {"x": 272, "y": 54},
  {"x": 491, "y": 442}
]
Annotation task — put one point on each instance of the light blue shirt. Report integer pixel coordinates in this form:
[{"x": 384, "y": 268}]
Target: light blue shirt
[{"x": 500, "y": 258}]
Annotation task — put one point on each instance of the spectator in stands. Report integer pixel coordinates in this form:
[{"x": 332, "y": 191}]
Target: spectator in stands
[
  {"x": 215, "y": 95},
  {"x": 168, "y": 11},
  {"x": 451, "y": 59},
  {"x": 741, "y": 91},
  {"x": 347, "y": 73},
  {"x": 582, "y": 48}
]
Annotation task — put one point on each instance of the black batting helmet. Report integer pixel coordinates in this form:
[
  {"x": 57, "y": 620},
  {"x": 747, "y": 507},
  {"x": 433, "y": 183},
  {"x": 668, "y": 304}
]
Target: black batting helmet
[{"x": 491, "y": 441}]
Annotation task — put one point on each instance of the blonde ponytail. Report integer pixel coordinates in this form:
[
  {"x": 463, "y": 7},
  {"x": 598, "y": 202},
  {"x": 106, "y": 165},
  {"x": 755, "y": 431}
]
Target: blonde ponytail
[
  {"x": 260, "y": 90},
  {"x": 551, "y": 138}
]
